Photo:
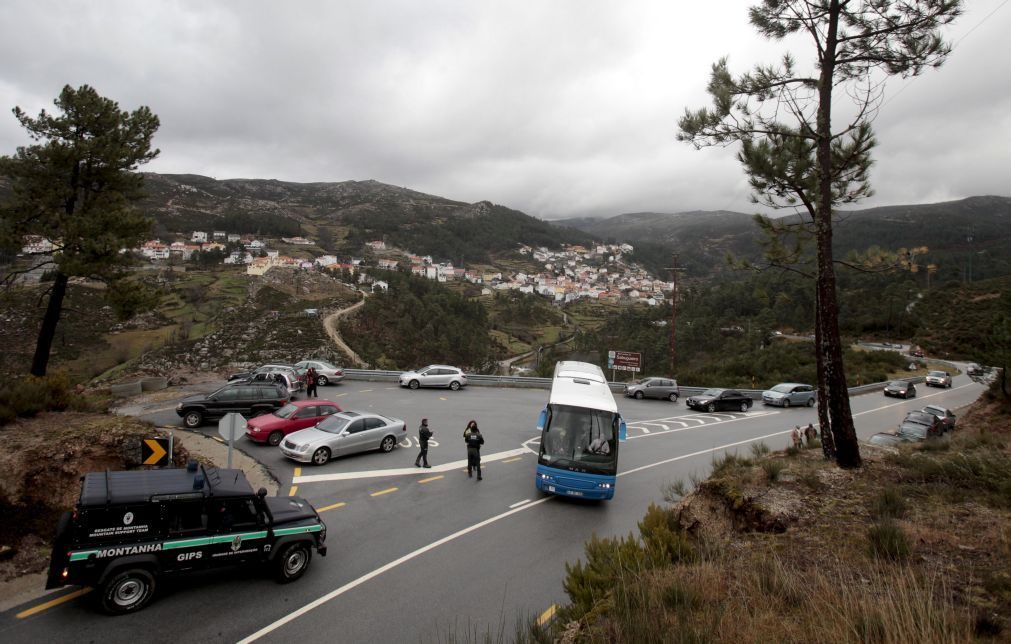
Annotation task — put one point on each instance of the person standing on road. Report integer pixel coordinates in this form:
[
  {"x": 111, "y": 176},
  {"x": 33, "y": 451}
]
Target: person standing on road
[
  {"x": 424, "y": 433},
  {"x": 472, "y": 436},
  {"x": 310, "y": 382}
]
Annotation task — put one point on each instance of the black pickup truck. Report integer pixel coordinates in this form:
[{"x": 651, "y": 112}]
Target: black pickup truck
[{"x": 130, "y": 528}]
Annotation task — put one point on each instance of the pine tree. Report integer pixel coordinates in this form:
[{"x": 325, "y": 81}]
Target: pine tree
[{"x": 75, "y": 188}]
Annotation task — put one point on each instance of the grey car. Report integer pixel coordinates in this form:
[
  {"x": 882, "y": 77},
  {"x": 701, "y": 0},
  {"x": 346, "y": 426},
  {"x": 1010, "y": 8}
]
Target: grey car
[
  {"x": 908, "y": 433},
  {"x": 900, "y": 389},
  {"x": 434, "y": 375},
  {"x": 946, "y": 416},
  {"x": 938, "y": 379},
  {"x": 659, "y": 388},
  {"x": 343, "y": 433},
  {"x": 789, "y": 394},
  {"x": 326, "y": 372}
]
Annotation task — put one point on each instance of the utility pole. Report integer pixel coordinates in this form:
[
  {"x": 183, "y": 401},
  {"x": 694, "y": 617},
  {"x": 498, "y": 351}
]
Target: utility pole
[{"x": 674, "y": 268}]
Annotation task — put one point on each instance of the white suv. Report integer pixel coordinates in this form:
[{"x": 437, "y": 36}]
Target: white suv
[
  {"x": 938, "y": 379},
  {"x": 434, "y": 375}
]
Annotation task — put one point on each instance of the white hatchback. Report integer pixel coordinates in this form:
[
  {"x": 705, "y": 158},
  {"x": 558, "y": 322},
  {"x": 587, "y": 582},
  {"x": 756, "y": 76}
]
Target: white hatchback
[{"x": 434, "y": 375}]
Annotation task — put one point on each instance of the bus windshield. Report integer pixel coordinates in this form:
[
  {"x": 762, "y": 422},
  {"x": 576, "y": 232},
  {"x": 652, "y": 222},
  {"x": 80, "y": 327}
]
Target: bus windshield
[{"x": 580, "y": 439}]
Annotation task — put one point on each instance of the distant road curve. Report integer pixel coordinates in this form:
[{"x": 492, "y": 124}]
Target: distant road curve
[{"x": 330, "y": 325}]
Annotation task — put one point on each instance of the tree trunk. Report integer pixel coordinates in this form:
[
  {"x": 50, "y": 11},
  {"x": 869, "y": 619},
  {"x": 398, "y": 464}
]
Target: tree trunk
[
  {"x": 831, "y": 373},
  {"x": 49, "y": 321}
]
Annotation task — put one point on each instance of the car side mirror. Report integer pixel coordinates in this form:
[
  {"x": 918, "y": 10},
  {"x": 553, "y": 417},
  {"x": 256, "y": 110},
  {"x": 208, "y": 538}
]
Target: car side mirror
[
  {"x": 542, "y": 419},
  {"x": 622, "y": 431}
]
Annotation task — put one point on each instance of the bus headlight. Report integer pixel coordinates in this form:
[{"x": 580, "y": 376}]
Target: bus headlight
[
  {"x": 547, "y": 478},
  {"x": 605, "y": 486}
]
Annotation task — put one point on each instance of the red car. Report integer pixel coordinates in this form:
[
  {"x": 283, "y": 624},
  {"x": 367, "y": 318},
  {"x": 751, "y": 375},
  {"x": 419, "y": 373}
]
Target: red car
[{"x": 298, "y": 414}]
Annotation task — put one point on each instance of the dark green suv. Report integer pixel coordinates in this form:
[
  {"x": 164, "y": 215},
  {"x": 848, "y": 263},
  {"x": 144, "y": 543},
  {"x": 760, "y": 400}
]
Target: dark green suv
[
  {"x": 248, "y": 399},
  {"x": 130, "y": 528}
]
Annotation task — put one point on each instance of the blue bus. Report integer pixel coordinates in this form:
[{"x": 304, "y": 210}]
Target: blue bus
[{"x": 580, "y": 430}]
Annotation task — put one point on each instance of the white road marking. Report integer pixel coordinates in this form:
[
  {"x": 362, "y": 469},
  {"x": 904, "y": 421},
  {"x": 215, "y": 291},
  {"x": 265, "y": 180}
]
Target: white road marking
[
  {"x": 516, "y": 505},
  {"x": 404, "y": 471},
  {"x": 710, "y": 424}
]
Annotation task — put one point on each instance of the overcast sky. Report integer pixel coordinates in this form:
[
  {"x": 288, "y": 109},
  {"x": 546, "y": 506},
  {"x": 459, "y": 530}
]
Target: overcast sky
[{"x": 557, "y": 108}]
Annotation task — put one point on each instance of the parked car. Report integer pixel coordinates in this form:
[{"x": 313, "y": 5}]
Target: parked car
[
  {"x": 343, "y": 433},
  {"x": 938, "y": 379},
  {"x": 906, "y": 434},
  {"x": 945, "y": 415},
  {"x": 900, "y": 389},
  {"x": 789, "y": 394},
  {"x": 326, "y": 372},
  {"x": 246, "y": 399},
  {"x": 973, "y": 369},
  {"x": 933, "y": 424},
  {"x": 659, "y": 388},
  {"x": 131, "y": 529},
  {"x": 298, "y": 414},
  {"x": 274, "y": 366},
  {"x": 715, "y": 399},
  {"x": 434, "y": 375},
  {"x": 284, "y": 378}
]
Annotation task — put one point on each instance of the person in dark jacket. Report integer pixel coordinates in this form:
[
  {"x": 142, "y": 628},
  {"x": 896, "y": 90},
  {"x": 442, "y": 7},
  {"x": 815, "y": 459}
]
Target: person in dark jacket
[
  {"x": 310, "y": 382},
  {"x": 472, "y": 436},
  {"x": 424, "y": 433}
]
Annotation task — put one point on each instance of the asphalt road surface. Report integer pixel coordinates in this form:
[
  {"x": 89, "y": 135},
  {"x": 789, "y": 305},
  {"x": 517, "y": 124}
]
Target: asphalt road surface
[{"x": 424, "y": 555}]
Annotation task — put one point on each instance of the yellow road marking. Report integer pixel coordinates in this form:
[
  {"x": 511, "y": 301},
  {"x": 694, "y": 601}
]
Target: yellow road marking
[
  {"x": 339, "y": 395},
  {"x": 386, "y": 491},
  {"x": 332, "y": 507},
  {"x": 53, "y": 602},
  {"x": 442, "y": 398},
  {"x": 431, "y": 478},
  {"x": 511, "y": 460},
  {"x": 291, "y": 492},
  {"x": 298, "y": 471},
  {"x": 547, "y": 615}
]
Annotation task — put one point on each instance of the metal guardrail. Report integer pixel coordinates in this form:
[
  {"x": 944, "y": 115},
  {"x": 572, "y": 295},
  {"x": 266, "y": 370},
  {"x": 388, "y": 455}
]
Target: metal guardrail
[{"x": 545, "y": 383}]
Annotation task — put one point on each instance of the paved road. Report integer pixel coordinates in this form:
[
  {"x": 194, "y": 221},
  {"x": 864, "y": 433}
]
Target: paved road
[{"x": 418, "y": 555}]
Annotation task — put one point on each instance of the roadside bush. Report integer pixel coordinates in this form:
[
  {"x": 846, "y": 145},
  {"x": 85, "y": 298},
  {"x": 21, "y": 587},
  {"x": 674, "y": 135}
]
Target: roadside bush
[
  {"x": 759, "y": 449},
  {"x": 984, "y": 472},
  {"x": 886, "y": 540},
  {"x": 772, "y": 469},
  {"x": 30, "y": 395},
  {"x": 889, "y": 504}
]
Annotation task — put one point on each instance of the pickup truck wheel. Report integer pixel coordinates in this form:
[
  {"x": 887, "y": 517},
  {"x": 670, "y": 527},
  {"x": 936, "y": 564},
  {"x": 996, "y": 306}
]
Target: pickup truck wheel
[
  {"x": 414, "y": 384},
  {"x": 127, "y": 591},
  {"x": 454, "y": 385},
  {"x": 320, "y": 456},
  {"x": 275, "y": 439},
  {"x": 322, "y": 381},
  {"x": 292, "y": 562},
  {"x": 673, "y": 398},
  {"x": 193, "y": 419}
]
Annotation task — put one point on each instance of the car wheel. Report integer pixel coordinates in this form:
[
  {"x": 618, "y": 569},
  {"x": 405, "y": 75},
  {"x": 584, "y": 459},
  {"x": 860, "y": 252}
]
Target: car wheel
[
  {"x": 745, "y": 406},
  {"x": 275, "y": 438},
  {"x": 810, "y": 402},
  {"x": 638, "y": 395},
  {"x": 673, "y": 398},
  {"x": 322, "y": 381},
  {"x": 388, "y": 444},
  {"x": 127, "y": 591},
  {"x": 320, "y": 456},
  {"x": 786, "y": 403},
  {"x": 454, "y": 385},
  {"x": 710, "y": 408},
  {"x": 414, "y": 384},
  {"x": 193, "y": 419},
  {"x": 292, "y": 562}
]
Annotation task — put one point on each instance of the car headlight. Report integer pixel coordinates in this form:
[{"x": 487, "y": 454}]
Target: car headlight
[{"x": 179, "y": 407}]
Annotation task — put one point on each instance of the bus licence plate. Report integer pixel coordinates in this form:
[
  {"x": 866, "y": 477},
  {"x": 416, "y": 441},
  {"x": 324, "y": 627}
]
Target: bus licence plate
[
  {"x": 551, "y": 488},
  {"x": 574, "y": 493}
]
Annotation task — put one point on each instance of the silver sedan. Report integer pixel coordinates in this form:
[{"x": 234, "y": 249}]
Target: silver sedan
[
  {"x": 343, "y": 433},
  {"x": 326, "y": 372}
]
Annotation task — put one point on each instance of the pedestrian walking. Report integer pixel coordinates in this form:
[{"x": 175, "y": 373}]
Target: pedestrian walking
[
  {"x": 810, "y": 433},
  {"x": 424, "y": 433},
  {"x": 472, "y": 436},
  {"x": 310, "y": 382},
  {"x": 798, "y": 440}
]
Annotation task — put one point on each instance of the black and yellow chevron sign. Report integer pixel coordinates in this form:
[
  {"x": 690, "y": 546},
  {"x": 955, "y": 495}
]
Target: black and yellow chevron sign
[{"x": 155, "y": 451}]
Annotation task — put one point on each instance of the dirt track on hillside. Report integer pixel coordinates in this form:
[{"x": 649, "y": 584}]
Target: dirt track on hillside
[{"x": 330, "y": 324}]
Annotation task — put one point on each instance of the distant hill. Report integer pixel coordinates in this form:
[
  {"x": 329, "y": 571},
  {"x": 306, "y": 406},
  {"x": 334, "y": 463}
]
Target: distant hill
[
  {"x": 967, "y": 237},
  {"x": 349, "y": 213}
]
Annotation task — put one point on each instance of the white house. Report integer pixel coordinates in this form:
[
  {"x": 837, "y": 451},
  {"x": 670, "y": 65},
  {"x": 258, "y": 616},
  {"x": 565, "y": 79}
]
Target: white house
[
  {"x": 37, "y": 245},
  {"x": 199, "y": 237}
]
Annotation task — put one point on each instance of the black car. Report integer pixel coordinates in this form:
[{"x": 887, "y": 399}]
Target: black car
[
  {"x": 931, "y": 422},
  {"x": 716, "y": 399},
  {"x": 900, "y": 389},
  {"x": 946, "y": 416},
  {"x": 246, "y": 399},
  {"x": 131, "y": 528}
]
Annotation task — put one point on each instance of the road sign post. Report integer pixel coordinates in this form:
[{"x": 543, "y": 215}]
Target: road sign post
[
  {"x": 624, "y": 361},
  {"x": 156, "y": 451},
  {"x": 230, "y": 427}
]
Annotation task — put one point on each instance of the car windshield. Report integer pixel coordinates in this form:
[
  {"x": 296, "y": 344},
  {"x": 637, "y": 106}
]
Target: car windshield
[
  {"x": 782, "y": 389},
  {"x": 937, "y": 374},
  {"x": 914, "y": 430},
  {"x": 333, "y": 424},
  {"x": 580, "y": 439},
  {"x": 326, "y": 365},
  {"x": 936, "y": 411},
  {"x": 897, "y": 383},
  {"x": 712, "y": 392},
  {"x": 287, "y": 411}
]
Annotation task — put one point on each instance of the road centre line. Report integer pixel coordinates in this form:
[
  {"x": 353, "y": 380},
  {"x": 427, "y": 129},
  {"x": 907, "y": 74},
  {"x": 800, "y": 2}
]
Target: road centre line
[
  {"x": 405, "y": 471},
  {"x": 516, "y": 505},
  {"x": 547, "y": 615},
  {"x": 513, "y": 460},
  {"x": 331, "y": 507},
  {"x": 431, "y": 478},
  {"x": 364, "y": 391},
  {"x": 351, "y": 585},
  {"x": 53, "y": 602},
  {"x": 386, "y": 491},
  {"x": 291, "y": 492}
]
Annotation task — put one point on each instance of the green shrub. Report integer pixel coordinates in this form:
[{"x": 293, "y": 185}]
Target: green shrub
[
  {"x": 663, "y": 537},
  {"x": 772, "y": 469},
  {"x": 30, "y": 395},
  {"x": 728, "y": 464},
  {"x": 886, "y": 540},
  {"x": 759, "y": 449},
  {"x": 888, "y": 504},
  {"x": 987, "y": 472},
  {"x": 792, "y": 451}
]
